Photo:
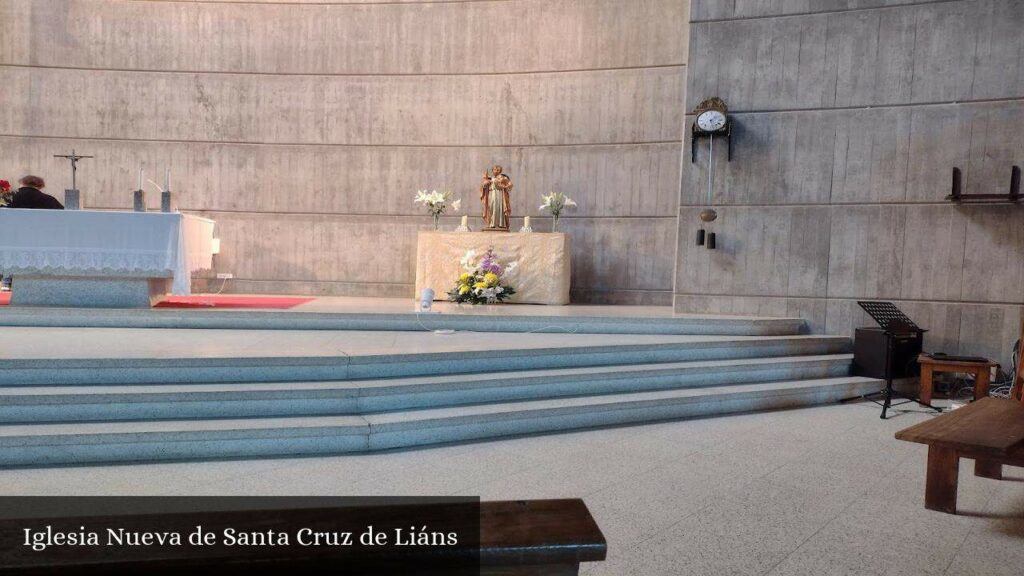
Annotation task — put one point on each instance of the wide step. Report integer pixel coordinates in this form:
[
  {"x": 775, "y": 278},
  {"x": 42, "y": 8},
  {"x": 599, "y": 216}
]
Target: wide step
[
  {"x": 42, "y": 444},
  {"x": 35, "y": 404},
  {"x": 576, "y": 323},
  {"x": 73, "y": 371}
]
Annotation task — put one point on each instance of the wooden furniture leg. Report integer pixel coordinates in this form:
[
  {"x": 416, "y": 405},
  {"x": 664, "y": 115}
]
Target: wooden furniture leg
[
  {"x": 941, "y": 481},
  {"x": 926, "y": 384},
  {"x": 981, "y": 383},
  {"x": 988, "y": 469}
]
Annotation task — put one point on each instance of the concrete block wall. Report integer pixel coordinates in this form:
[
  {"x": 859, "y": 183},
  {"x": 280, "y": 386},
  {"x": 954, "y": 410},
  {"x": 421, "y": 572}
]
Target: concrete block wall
[
  {"x": 850, "y": 116},
  {"x": 304, "y": 128}
]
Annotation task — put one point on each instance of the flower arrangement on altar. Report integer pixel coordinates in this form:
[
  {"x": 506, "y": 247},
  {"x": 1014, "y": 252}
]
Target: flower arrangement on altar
[
  {"x": 437, "y": 203},
  {"x": 6, "y": 194},
  {"x": 482, "y": 281},
  {"x": 555, "y": 203}
]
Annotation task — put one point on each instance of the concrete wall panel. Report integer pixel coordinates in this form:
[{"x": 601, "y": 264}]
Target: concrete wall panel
[
  {"x": 865, "y": 257},
  {"x": 921, "y": 53},
  {"x": 617, "y": 106},
  {"x": 776, "y": 251},
  {"x": 888, "y": 154},
  {"x": 619, "y": 180},
  {"x": 717, "y": 9},
  {"x": 346, "y": 38},
  {"x": 858, "y": 110}
]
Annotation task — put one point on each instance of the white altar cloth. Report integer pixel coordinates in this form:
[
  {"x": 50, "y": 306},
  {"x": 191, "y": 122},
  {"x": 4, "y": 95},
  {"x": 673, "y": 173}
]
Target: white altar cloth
[{"x": 106, "y": 244}]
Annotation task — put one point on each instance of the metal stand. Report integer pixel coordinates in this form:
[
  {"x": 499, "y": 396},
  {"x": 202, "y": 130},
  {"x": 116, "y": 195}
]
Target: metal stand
[{"x": 888, "y": 393}]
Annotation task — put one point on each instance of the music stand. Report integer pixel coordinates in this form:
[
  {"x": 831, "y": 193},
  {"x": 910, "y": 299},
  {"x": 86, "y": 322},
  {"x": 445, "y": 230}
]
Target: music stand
[{"x": 894, "y": 324}]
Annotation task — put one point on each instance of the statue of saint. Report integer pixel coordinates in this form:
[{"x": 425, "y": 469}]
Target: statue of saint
[{"x": 494, "y": 194}]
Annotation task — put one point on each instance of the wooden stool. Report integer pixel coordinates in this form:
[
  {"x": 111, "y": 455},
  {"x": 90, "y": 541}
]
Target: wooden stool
[{"x": 980, "y": 370}]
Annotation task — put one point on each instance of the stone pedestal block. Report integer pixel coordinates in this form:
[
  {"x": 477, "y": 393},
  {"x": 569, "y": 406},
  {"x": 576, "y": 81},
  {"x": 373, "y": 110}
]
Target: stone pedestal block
[
  {"x": 83, "y": 292},
  {"x": 73, "y": 200},
  {"x": 139, "y": 201},
  {"x": 167, "y": 202}
]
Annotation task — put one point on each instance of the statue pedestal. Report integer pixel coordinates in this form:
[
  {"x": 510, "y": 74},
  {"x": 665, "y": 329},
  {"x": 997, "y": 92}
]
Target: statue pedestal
[{"x": 542, "y": 276}]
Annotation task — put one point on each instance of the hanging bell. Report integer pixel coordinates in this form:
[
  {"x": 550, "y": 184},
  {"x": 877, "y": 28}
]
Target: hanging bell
[{"x": 708, "y": 215}]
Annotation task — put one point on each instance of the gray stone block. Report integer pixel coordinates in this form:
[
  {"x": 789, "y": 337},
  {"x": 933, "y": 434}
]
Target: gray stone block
[
  {"x": 73, "y": 200},
  {"x": 139, "y": 201},
  {"x": 87, "y": 292},
  {"x": 168, "y": 202}
]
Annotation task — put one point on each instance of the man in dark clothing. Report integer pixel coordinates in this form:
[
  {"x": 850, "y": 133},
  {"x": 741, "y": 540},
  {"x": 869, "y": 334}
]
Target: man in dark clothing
[{"x": 31, "y": 195}]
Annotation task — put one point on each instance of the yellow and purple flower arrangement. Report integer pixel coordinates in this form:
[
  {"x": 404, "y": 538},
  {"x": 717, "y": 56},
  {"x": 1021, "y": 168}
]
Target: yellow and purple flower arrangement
[{"x": 482, "y": 281}]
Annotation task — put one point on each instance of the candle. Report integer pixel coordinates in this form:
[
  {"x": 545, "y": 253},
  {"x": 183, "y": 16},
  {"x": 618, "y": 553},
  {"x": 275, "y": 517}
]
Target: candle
[
  {"x": 142, "y": 177},
  {"x": 167, "y": 180},
  {"x": 465, "y": 221},
  {"x": 526, "y": 222}
]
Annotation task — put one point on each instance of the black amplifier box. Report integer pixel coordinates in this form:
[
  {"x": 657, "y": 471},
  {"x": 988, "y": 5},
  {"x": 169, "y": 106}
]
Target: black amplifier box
[{"x": 871, "y": 350}]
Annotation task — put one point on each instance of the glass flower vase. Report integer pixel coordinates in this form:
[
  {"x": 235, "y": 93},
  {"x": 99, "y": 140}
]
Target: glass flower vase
[{"x": 437, "y": 221}]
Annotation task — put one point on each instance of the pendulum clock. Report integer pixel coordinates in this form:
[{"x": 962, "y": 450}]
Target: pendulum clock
[{"x": 711, "y": 120}]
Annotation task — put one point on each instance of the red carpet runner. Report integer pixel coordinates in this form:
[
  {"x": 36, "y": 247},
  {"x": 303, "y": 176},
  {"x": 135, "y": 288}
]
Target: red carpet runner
[
  {"x": 222, "y": 301},
  {"x": 216, "y": 301}
]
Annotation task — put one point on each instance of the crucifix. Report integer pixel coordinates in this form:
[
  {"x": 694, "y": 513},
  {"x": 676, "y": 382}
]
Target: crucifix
[{"x": 74, "y": 164}]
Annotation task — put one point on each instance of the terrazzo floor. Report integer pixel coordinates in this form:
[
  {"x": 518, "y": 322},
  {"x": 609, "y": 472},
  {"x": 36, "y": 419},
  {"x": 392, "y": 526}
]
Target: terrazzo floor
[{"x": 818, "y": 492}]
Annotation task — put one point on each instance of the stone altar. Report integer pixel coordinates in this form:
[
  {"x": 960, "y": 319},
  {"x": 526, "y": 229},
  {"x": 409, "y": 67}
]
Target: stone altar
[
  {"x": 542, "y": 276},
  {"x": 88, "y": 258}
]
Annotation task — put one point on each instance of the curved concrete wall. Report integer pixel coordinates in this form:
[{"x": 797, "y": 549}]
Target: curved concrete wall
[
  {"x": 305, "y": 128},
  {"x": 849, "y": 119}
]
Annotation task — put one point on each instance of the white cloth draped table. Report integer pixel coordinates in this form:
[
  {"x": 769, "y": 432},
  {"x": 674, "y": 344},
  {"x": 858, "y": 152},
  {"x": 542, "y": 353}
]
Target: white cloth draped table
[
  {"x": 541, "y": 277},
  {"x": 106, "y": 244}
]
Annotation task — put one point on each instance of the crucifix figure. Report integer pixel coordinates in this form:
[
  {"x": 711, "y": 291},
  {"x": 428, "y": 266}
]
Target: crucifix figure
[{"x": 74, "y": 165}]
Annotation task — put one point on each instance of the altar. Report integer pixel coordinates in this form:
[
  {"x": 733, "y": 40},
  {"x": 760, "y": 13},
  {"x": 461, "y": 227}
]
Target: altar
[
  {"x": 88, "y": 258},
  {"x": 542, "y": 274}
]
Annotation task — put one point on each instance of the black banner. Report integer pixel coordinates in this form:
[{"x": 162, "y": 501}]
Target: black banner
[{"x": 239, "y": 535}]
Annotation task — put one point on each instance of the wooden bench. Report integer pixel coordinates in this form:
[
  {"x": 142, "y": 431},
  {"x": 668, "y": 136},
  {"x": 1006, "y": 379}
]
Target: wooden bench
[{"x": 990, "y": 431}]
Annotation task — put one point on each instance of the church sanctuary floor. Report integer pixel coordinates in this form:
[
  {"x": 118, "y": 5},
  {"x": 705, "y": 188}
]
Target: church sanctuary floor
[
  {"x": 818, "y": 491},
  {"x": 359, "y": 313}
]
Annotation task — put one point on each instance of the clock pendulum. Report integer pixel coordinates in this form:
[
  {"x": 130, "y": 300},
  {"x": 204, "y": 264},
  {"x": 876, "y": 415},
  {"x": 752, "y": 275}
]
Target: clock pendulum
[{"x": 711, "y": 120}]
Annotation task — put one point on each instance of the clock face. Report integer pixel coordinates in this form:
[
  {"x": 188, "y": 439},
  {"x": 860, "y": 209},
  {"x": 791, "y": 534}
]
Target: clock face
[{"x": 711, "y": 121}]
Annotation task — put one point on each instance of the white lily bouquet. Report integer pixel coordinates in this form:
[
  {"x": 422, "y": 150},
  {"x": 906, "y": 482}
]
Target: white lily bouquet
[
  {"x": 555, "y": 203},
  {"x": 483, "y": 281},
  {"x": 437, "y": 203}
]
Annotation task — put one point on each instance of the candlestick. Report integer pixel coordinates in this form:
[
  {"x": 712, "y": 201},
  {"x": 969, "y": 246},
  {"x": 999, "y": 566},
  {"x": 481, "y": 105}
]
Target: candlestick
[
  {"x": 465, "y": 220},
  {"x": 526, "y": 222},
  {"x": 142, "y": 178}
]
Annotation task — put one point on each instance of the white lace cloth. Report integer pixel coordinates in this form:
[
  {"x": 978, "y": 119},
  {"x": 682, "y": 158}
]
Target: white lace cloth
[{"x": 92, "y": 243}]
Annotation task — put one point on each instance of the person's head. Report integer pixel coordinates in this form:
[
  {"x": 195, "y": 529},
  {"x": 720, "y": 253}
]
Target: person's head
[
  {"x": 31, "y": 181},
  {"x": 496, "y": 170}
]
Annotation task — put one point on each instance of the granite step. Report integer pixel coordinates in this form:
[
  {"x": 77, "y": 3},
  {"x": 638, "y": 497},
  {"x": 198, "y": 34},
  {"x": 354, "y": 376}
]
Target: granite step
[
  {"x": 113, "y": 442},
  {"x": 131, "y": 371},
  {"x": 35, "y": 404},
  {"x": 475, "y": 321}
]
